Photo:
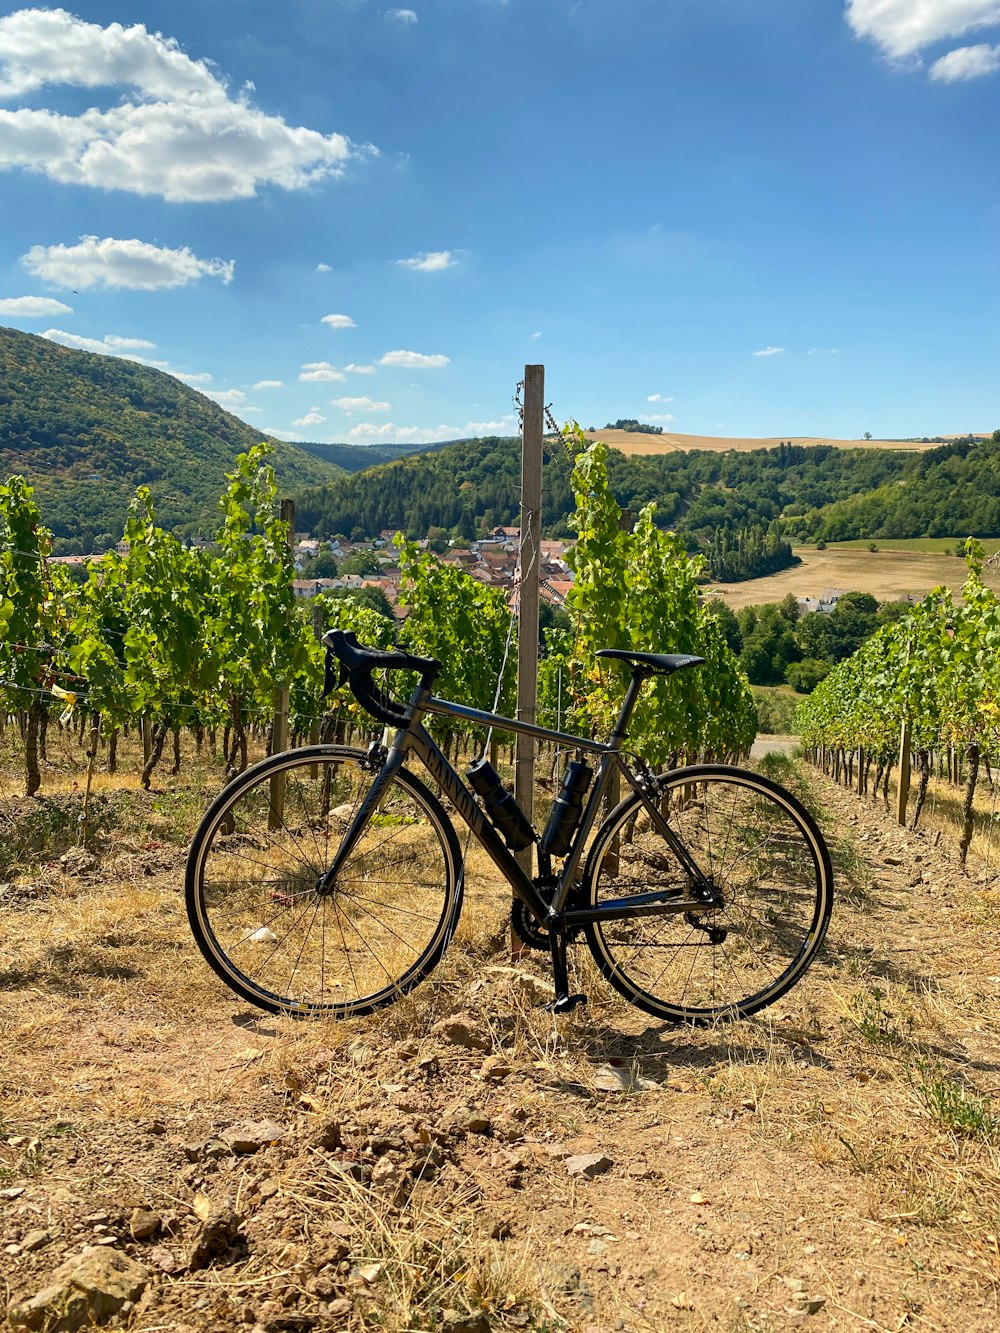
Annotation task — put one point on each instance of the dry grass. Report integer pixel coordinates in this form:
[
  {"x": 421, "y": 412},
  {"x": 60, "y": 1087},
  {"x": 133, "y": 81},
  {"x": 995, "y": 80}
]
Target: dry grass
[
  {"x": 842, "y": 1151},
  {"x": 631, "y": 442},
  {"x": 887, "y": 575}
]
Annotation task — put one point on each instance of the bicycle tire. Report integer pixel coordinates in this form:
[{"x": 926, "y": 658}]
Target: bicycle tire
[
  {"x": 757, "y": 843},
  {"x": 250, "y": 886}
]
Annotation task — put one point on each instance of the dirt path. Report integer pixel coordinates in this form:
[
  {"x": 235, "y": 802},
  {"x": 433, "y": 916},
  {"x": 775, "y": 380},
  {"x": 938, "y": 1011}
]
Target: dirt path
[{"x": 834, "y": 1164}]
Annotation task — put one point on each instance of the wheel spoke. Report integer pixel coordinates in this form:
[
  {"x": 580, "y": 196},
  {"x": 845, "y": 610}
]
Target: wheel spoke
[
  {"x": 763, "y": 857},
  {"x": 253, "y": 871}
]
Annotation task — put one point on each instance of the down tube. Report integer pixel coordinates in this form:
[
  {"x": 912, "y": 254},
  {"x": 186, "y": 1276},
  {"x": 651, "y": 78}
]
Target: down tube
[{"x": 449, "y": 782}]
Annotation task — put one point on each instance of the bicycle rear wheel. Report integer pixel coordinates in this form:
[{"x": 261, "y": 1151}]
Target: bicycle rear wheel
[
  {"x": 759, "y": 848},
  {"x": 252, "y": 885}
]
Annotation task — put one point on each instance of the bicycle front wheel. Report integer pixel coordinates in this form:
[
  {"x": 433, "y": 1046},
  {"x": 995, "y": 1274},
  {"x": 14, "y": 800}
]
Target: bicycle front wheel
[
  {"x": 253, "y": 877},
  {"x": 762, "y": 853}
]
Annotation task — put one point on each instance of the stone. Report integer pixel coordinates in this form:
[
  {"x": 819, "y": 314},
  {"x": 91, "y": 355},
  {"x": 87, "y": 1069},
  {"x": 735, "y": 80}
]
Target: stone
[
  {"x": 163, "y": 1258},
  {"x": 458, "y": 1321},
  {"x": 87, "y": 1289},
  {"x": 143, "y": 1223},
  {"x": 214, "y": 1149},
  {"x": 34, "y": 1240},
  {"x": 77, "y": 861},
  {"x": 495, "y": 1069},
  {"x": 613, "y": 1078},
  {"x": 252, "y": 1135},
  {"x": 327, "y": 1136},
  {"x": 588, "y": 1165},
  {"x": 391, "y": 1180},
  {"x": 462, "y": 1030},
  {"x": 219, "y": 1232}
]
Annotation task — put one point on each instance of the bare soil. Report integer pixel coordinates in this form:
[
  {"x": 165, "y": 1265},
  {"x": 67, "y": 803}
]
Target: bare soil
[{"x": 833, "y": 1163}]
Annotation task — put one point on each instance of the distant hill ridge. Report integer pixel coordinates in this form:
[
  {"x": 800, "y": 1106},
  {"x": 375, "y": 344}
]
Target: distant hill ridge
[{"x": 87, "y": 429}]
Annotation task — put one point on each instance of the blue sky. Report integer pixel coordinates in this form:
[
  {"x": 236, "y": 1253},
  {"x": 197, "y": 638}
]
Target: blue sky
[{"x": 348, "y": 220}]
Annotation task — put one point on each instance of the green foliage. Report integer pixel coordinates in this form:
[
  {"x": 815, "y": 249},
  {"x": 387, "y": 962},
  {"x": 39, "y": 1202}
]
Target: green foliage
[
  {"x": 474, "y": 485},
  {"x": 775, "y": 711},
  {"x": 938, "y": 667},
  {"x": 634, "y": 426},
  {"x": 749, "y": 553},
  {"x": 461, "y": 622},
  {"x": 638, "y": 590}
]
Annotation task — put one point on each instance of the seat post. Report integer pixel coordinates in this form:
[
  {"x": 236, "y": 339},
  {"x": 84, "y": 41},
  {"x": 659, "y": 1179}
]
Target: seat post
[{"x": 639, "y": 674}]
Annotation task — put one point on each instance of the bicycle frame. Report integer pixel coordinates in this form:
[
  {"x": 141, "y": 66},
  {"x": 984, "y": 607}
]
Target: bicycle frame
[{"x": 414, "y": 738}]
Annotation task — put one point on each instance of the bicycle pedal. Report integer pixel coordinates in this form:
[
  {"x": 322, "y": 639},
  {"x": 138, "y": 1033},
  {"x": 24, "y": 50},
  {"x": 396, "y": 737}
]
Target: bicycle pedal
[{"x": 565, "y": 1004}]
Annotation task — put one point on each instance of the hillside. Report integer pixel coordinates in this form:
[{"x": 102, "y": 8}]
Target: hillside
[
  {"x": 359, "y": 457},
  {"x": 88, "y": 429}
]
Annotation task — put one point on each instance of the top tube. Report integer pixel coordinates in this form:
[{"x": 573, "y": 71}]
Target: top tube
[{"x": 448, "y": 709}]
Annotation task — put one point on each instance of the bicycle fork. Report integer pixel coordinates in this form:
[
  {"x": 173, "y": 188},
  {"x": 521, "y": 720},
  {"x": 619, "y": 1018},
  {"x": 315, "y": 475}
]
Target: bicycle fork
[{"x": 326, "y": 883}]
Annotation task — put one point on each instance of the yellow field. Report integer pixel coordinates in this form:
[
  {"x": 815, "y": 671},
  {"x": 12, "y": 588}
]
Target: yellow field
[
  {"x": 887, "y": 575},
  {"x": 629, "y": 443}
]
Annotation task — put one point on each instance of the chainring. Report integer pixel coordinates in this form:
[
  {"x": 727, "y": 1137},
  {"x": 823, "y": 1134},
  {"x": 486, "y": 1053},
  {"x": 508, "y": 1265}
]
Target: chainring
[{"x": 526, "y": 928}]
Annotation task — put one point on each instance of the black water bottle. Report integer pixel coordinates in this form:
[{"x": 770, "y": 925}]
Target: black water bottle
[
  {"x": 507, "y": 816},
  {"x": 567, "y": 809}
]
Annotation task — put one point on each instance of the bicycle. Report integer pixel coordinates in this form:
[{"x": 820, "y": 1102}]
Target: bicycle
[{"x": 704, "y": 895}]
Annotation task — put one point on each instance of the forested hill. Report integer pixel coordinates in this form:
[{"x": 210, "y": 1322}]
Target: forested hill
[
  {"x": 88, "y": 429},
  {"x": 816, "y": 491}
]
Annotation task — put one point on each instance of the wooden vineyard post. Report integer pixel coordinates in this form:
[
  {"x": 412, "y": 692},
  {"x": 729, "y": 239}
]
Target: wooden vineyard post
[
  {"x": 903, "y": 793},
  {"x": 613, "y": 794},
  {"x": 527, "y": 615},
  {"x": 314, "y": 730},
  {"x": 279, "y": 727}
]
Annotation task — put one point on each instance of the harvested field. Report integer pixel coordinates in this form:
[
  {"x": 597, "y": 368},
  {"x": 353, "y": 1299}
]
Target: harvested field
[
  {"x": 629, "y": 442},
  {"x": 836, "y": 1161},
  {"x": 887, "y": 575}
]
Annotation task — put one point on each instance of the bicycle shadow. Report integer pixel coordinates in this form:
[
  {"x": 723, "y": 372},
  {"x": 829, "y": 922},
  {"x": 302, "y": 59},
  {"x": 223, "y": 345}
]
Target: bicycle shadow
[{"x": 663, "y": 1052}]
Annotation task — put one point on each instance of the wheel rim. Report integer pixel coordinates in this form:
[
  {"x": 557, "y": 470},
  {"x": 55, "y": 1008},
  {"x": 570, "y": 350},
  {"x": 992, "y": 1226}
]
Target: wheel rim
[
  {"x": 275, "y": 938},
  {"x": 754, "y": 847}
]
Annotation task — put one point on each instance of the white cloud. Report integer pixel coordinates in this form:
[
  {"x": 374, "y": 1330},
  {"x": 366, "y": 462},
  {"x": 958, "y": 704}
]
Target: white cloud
[
  {"x": 226, "y": 397},
  {"x": 111, "y": 263},
  {"x": 339, "y": 321},
  {"x": 658, "y": 416},
  {"x": 432, "y": 261},
  {"x": 360, "y": 405},
  {"x": 190, "y": 377},
  {"x": 904, "y": 27},
  {"x": 323, "y": 268},
  {"x": 967, "y": 62},
  {"x": 537, "y": 335},
  {"x": 171, "y": 127},
  {"x": 110, "y": 344},
  {"x": 823, "y": 351},
  {"x": 658, "y": 398},
  {"x": 769, "y": 351},
  {"x": 244, "y": 410},
  {"x": 280, "y": 434},
  {"x": 403, "y": 15},
  {"x": 352, "y": 369},
  {"x": 33, "y": 307},
  {"x": 268, "y": 384},
  {"x": 413, "y": 360},
  {"x": 367, "y": 430},
  {"x": 310, "y": 419},
  {"x": 320, "y": 370}
]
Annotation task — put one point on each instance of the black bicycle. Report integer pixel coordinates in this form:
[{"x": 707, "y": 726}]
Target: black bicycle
[{"x": 330, "y": 879}]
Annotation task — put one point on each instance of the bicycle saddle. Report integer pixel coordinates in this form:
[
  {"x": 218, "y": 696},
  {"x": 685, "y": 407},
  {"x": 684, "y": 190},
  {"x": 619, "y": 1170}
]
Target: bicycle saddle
[{"x": 656, "y": 663}]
